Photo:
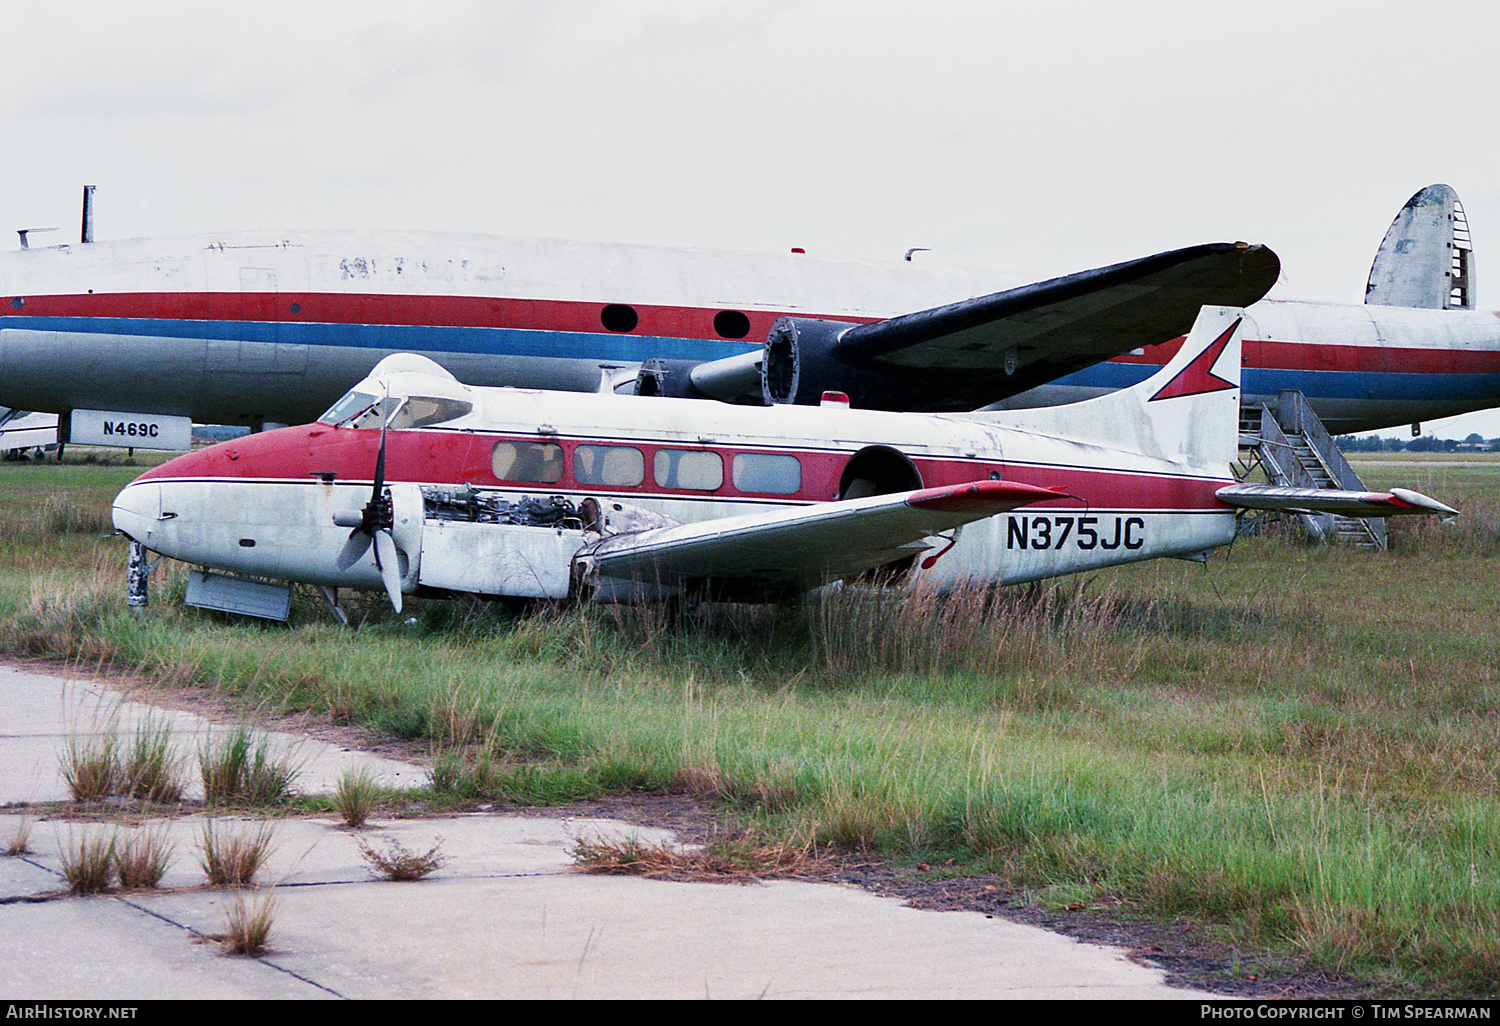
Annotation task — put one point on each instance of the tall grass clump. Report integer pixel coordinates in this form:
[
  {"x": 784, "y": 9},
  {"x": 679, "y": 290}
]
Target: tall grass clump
[
  {"x": 71, "y": 611},
  {"x": 987, "y": 631},
  {"x": 61, "y": 513},
  {"x": 91, "y": 766},
  {"x": 1476, "y": 532},
  {"x": 247, "y": 925},
  {"x": 233, "y": 859},
  {"x": 142, "y": 859},
  {"x": 88, "y": 862},
  {"x": 354, "y": 796},
  {"x": 152, "y": 766},
  {"x": 244, "y": 769}
]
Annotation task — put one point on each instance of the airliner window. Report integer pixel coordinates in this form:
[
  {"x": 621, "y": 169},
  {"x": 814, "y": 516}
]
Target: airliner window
[
  {"x": 619, "y": 466},
  {"x": 352, "y": 403},
  {"x": 539, "y": 462},
  {"x": 771, "y": 475},
  {"x": 689, "y": 469},
  {"x": 421, "y": 410},
  {"x": 731, "y": 324}
]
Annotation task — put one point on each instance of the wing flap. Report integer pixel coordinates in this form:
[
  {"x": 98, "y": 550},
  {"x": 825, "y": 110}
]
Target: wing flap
[{"x": 802, "y": 547}]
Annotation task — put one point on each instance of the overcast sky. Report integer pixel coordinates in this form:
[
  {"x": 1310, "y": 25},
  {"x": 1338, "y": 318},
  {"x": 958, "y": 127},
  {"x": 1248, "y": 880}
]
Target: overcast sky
[{"x": 1037, "y": 138}]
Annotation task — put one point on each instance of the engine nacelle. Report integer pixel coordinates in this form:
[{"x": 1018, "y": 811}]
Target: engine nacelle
[
  {"x": 670, "y": 379},
  {"x": 796, "y": 365}
]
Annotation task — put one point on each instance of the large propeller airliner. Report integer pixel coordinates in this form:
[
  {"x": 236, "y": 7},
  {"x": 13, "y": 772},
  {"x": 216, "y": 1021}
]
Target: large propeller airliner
[
  {"x": 269, "y": 328},
  {"x": 416, "y": 483}
]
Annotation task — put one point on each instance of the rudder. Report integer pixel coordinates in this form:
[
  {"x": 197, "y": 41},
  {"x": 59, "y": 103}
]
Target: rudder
[{"x": 1426, "y": 260}]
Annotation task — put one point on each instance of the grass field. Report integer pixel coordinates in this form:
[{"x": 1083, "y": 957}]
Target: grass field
[{"x": 1298, "y": 745}]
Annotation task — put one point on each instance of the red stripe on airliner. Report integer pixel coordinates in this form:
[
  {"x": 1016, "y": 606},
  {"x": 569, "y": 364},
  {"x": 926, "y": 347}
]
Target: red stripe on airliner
[
  {"x": 456, "y": 458},
  {"x": 405, "y": 310},
  {"x": 1323, "y": 356},
  {"x": 667, "y": 321}
]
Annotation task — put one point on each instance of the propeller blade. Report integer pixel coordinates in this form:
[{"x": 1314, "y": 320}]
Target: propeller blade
[
  {"x": 353, "y": 549},
  {"x": 375, "y": 493},
  {"x": 388, "y": 559}
]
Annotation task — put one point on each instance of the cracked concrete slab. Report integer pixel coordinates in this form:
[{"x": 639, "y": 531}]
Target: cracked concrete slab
[{"x": 506, "y": 916}]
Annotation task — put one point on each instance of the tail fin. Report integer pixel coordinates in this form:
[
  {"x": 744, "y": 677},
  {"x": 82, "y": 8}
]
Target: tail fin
[
  {"x": 1186, "y": 412},
  {"x": 1426, "y": 259}
]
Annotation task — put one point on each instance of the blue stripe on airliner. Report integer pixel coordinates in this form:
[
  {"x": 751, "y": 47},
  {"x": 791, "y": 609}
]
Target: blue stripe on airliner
[
  {"x": 606, "y": 346},
  {"x": 1318, "y": 384},
  {"x": 566, "y": 345}
]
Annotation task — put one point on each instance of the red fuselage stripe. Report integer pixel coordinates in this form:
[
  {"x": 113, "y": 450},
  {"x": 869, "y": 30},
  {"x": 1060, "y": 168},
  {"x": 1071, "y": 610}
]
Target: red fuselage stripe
[{"x": 458, "y": 458}]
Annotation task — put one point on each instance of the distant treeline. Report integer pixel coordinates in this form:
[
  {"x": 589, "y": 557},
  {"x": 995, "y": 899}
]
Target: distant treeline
[{"x": 1422, "y": 443}]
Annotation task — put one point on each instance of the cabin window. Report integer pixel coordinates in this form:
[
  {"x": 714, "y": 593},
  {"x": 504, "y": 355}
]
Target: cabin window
[
  {"x": 688, "y": 469},
  {"x": 538, "y": 462},
  {"x": 619, "y": 318},
  {"x": 618, "y": 466},
  {"x": 361, "y": 410},
  {"x": 766, "y": 473},
  {"x": 421, "y": 410}
]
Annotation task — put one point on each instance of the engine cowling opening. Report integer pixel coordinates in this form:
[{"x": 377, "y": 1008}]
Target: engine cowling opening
[
  {"x": 798, "y": 365},
  {"x": 880, "y": 470}
]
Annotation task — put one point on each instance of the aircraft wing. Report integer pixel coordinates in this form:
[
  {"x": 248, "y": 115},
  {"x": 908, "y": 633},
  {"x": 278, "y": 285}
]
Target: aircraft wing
[
  {"x": 799, "y": 548},
  {"x": 978, "y": 351},
  {"x": 1396, "y": 502}
]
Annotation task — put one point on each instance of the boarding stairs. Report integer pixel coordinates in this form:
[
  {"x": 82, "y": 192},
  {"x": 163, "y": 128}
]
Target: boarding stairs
[{"x": 1294, "y": 449}]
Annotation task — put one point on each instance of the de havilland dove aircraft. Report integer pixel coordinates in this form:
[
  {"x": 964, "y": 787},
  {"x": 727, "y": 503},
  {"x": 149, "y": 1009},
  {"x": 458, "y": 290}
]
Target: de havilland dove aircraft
[
  {"x": 131, "y": 341},
  {"x": 416, "y": 483}
]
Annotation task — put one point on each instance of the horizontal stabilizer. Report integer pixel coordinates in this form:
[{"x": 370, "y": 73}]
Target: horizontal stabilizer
[
  {"x": 802, "y": 547},
  {"x": 1396, "y": 502}
]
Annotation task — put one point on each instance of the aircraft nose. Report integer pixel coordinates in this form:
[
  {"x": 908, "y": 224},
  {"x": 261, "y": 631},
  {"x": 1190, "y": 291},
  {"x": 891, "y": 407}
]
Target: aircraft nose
[{"x": 137, "y": 511}]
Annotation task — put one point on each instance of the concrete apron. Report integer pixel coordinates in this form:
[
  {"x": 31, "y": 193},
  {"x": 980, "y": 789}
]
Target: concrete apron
[{"x": 505, "y": 917}]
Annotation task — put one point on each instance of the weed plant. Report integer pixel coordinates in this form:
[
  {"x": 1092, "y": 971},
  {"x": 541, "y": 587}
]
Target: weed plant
[
  {"x": 233, "y": 859},
  {"x": 736, "y": 858},
  {"x": 96, "y": 765},
  {"x": 398, "y": 862},
  {"x": 20, "y": 841}
]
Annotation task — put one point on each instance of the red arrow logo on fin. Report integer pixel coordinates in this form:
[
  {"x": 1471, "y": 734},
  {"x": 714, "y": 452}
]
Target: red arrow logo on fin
[{"x": 1198, "y": 376}]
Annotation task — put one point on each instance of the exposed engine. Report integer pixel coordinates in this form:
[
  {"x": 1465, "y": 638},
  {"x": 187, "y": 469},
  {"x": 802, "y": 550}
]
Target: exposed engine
[{"x": 476, "y": 506}]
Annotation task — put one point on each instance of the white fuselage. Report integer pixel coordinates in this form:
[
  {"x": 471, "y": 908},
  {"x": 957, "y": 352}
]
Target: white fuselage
[{"x": 271, "y": 327}]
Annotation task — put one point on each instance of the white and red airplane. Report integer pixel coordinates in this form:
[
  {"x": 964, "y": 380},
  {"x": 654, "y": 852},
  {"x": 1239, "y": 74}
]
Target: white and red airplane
[{"x": 417, "y": 483}]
